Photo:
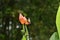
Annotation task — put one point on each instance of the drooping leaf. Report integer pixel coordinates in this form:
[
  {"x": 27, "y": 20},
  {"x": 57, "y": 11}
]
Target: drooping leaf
[{"x": 58, "y": 21}]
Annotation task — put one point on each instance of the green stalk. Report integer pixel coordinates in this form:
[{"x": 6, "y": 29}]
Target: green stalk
[
  {"x": 58, "y": 21},
  {"x": 23, "y": 30},
  {"x": 26, "y": 30},
  {"x": 27, "y": 34}
]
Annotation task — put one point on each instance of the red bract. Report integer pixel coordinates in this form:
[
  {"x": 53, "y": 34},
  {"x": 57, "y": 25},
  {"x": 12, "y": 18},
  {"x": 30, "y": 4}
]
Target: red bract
[{"x": 23, "y": 20}]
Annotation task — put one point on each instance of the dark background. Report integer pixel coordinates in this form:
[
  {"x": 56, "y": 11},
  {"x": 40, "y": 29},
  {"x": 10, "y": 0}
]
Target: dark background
[{"x": 41, "y": 12}]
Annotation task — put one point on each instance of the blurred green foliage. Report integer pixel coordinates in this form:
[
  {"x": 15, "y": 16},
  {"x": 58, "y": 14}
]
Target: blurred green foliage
[{"x": 41, "y": 12}]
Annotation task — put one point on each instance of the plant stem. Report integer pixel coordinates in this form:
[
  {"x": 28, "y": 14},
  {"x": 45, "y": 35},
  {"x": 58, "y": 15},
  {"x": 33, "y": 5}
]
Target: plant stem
[{"x": 27, "y": 34}]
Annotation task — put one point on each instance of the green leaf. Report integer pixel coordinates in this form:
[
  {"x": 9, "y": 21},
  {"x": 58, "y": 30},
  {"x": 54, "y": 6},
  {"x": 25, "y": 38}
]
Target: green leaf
[
  {"x": 54, "y": 36},
  {"x": 58, "y": 21}
]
